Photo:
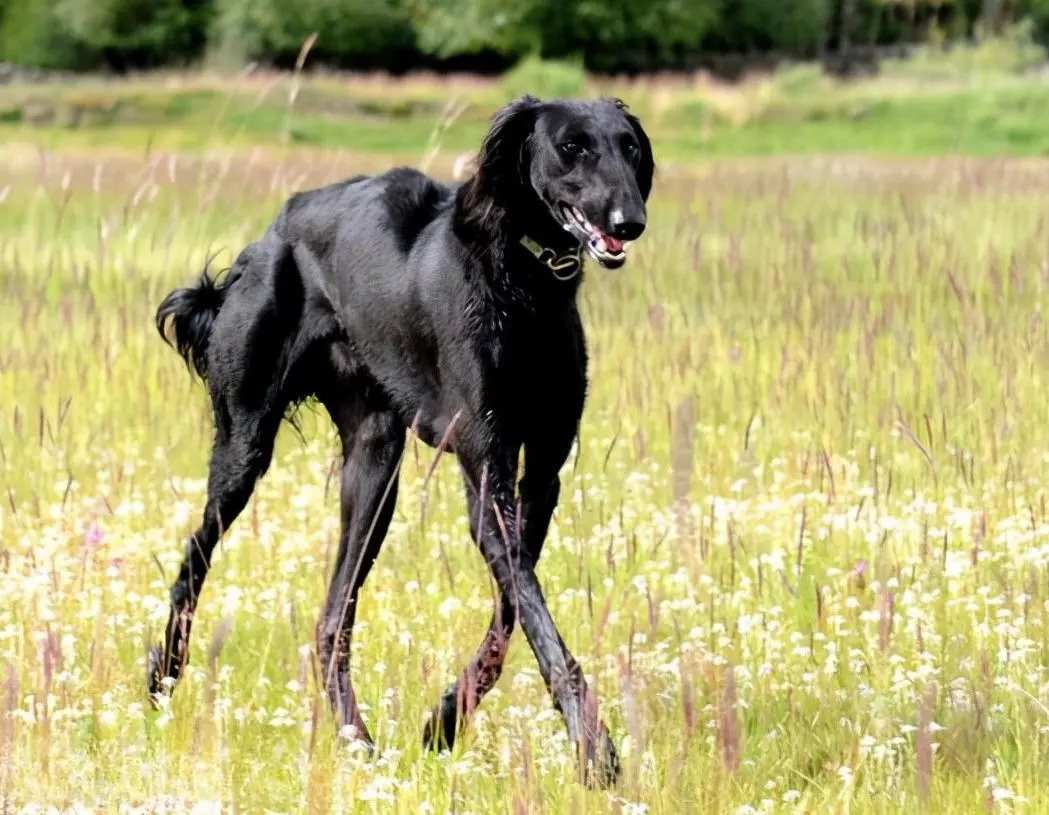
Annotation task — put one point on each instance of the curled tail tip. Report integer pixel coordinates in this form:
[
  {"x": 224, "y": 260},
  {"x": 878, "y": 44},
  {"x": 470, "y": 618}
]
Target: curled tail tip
[
  {"x": 185, "y": 317},
  {"x": 165, "y": 311}
]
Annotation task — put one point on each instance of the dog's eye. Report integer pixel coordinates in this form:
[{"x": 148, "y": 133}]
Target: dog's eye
[
  {"x": 572, "y": 148},
  {"x": 632, "y": 149}
]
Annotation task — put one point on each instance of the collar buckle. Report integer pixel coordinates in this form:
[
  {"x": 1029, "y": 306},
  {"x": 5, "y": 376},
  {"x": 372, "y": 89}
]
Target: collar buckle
[{"x": 563, "y": 267}]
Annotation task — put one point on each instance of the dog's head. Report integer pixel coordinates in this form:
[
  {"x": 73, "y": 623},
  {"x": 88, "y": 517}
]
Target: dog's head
[{"x": 582, "y": 167}]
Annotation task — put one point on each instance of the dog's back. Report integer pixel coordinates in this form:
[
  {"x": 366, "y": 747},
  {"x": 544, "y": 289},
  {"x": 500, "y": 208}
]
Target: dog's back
[
  {"x": 385, "y": 212},
  {"x": 373, "y": 252}
]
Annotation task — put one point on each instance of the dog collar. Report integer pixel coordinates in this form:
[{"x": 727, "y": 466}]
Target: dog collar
[{"x": 564, "y": 267}]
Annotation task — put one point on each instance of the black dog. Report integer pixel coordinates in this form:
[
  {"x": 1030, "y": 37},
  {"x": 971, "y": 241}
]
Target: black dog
[{"x": 400, "y": 303}]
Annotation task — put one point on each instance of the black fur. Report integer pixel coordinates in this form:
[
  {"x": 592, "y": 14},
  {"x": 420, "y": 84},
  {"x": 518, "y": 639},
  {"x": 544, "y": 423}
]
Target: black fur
[
  {"x": 399, "y": 302},
  {"x": 410, "y": 206},
  {"x": 192, "y": 311}
]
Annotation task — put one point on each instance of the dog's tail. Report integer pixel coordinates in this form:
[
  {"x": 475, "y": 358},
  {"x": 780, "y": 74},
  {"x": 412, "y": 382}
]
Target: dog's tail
[{"x": 192, "y": 311}]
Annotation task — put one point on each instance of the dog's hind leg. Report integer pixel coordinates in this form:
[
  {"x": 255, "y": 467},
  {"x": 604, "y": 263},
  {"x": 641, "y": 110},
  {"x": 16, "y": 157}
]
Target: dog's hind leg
[
  {"x": 240, "y": 456},
  {"x": 373, "y": 442},
  {"x": 249, "y": 345}
]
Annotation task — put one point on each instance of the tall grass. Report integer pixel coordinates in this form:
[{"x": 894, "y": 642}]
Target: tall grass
[
  {"x": 802, "y": 548},
  {"x": 981, "y": 101}
]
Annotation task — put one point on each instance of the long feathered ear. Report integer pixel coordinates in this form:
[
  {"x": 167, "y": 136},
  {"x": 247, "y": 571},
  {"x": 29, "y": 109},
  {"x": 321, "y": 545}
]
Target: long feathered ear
[
  {"x": 502, "y": 159},
  {"x": 502, "y": 165},
  {"x": 646, "y": 165}
]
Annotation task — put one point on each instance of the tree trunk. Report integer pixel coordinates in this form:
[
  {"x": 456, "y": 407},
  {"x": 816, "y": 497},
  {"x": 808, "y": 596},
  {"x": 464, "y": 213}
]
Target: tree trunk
[
  {"x": 991, "y": 18},
  {"x": 848, "y": 13}
]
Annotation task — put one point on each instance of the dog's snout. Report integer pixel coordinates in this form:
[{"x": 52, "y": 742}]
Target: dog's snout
[{"x": 626, "y": 227}]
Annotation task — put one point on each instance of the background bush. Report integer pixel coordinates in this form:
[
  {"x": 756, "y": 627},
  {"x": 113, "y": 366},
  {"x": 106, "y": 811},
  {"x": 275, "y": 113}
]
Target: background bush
[
  {"x": 30, "y": 35},
  {"x": 545, "y": 78},
  {"x": 351, "y": 33},
  {"x": 601, "y": 35}
]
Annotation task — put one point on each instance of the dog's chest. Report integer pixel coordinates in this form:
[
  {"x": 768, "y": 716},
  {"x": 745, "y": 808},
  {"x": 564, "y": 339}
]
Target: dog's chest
[{"x": 536, "y": 369}]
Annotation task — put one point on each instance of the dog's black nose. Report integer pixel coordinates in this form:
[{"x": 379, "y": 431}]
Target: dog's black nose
[{"x": 626, "y": 227}]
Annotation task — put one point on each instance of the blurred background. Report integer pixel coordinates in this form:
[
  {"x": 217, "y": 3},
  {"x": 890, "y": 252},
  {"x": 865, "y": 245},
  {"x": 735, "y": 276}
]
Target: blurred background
[
  {"x": 713, "y": 76},
  {"x": 607, "y": 36}
]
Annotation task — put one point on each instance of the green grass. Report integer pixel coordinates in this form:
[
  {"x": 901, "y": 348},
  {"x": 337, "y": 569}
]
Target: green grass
[
  {"x": 814, "y": 456},
  {"x": 799, "y": 114}
]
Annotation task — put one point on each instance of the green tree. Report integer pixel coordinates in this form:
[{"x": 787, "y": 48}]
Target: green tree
[
  {"x": 31, "y": 34},
  {"x": 610, "y": 32},
  {"x": 604, "y": 32},
  {"x": 355, "y": 33},
  {"x": 798, "y": 26},
  {"x": 1038, "y": 12},
  {"x": 140, "y": 33},
  {"x": 447, "y": 28}
]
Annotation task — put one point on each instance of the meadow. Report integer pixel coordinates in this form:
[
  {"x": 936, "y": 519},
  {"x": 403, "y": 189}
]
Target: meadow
[{"x": 802, "y": 550}]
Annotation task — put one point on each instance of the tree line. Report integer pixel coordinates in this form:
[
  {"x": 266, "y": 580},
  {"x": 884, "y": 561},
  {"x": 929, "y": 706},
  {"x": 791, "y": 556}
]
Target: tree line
[{"x": 607, "y": 36}]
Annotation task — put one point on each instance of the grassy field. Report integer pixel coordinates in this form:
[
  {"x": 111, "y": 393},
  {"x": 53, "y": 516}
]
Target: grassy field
[
  {"x": 912, "y": 109},
  {"x": 802, "y": 550}
]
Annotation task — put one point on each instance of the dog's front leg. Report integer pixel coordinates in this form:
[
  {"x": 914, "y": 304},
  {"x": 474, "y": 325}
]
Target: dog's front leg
[{"x": 501, "y": 545}]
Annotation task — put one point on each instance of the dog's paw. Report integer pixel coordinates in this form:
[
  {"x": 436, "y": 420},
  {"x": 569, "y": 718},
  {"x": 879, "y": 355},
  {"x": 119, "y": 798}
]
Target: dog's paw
[
  {"x": 602, "y": 761},
  {"x": 358, "y": 743},
  {"x": 439, "y": 730},
  {"x": 157, "y": 684}
]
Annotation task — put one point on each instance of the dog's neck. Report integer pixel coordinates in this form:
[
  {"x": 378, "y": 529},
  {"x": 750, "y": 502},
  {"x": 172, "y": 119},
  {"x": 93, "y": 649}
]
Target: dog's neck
[
  {"x": 521, "y": 246},
  {"x": 541, "y": 257}
]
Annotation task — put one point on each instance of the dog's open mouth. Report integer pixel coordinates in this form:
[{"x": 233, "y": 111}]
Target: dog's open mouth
[{"x": 608, "y": 251}]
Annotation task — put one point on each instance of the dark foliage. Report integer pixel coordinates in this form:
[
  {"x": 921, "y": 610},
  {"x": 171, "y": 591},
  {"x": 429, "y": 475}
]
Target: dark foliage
[{"x": 479, "y": 35}]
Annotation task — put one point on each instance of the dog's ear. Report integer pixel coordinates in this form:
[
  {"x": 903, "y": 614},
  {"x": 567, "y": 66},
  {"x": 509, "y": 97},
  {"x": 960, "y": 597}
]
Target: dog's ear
[
  {"x": 502, "y": 162},
  {"x": 646, "y": 164}
]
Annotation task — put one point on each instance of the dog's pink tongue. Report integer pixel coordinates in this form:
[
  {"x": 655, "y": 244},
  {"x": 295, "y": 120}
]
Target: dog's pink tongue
[{"x": 613, "y": 244}]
